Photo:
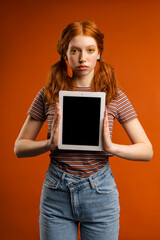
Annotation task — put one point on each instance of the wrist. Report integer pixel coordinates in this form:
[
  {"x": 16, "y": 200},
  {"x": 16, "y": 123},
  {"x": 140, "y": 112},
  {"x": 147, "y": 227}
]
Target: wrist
[
  {"x": 48, "y": 144},
  {"x": 111, "y": 148}
]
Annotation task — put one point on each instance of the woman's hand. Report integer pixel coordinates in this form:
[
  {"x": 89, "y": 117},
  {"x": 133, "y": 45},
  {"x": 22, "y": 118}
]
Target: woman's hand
[
  {"x": 107, "y": 143},
  {"x": 54, "y": 138},
  {"x": 139, "y": 150},
  {"x": 26, "y": 146}
]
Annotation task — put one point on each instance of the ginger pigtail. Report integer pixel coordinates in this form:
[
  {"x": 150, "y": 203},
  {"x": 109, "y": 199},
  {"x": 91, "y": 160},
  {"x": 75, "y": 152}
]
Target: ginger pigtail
[
  {"x": 57, "y": 80},
  {"x": 105, "y": 81}
]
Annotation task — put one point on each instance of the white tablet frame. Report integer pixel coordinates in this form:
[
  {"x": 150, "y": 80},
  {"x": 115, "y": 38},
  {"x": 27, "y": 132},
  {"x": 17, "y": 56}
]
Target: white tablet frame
[{"x": 101, "y": 95}]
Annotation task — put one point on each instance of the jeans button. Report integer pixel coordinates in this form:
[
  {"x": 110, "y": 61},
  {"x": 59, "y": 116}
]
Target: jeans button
[{"x": 71, "y": 185}]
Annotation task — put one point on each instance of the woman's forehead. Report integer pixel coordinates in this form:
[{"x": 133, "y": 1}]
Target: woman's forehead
[{"x": 82, "y": 41}]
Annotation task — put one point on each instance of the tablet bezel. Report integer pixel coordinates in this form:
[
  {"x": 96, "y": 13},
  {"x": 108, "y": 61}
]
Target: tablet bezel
[{"x": 100, "y": 95}]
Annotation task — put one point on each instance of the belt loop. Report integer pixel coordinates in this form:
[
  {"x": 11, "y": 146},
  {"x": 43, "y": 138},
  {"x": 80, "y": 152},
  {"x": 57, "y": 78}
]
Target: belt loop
[
  {"x": 63, "y": 176},
  {"x": 93, "y": 185}
]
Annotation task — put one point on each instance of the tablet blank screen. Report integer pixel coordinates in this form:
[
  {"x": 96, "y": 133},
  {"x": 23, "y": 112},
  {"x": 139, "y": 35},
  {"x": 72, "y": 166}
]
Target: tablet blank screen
[{"x": 81, "y": 120}]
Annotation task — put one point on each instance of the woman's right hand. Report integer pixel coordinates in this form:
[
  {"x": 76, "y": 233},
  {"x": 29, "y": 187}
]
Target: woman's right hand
[{"x": 54, "y": 138}]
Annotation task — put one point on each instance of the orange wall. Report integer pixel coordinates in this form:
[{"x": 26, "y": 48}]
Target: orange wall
[{"x": 29, "y": 33}]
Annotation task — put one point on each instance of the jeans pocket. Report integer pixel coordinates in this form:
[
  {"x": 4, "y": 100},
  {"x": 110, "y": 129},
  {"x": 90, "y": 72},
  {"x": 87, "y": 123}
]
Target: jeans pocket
[
  {"x": 107, "y": 185},
  {"x": 50, "y": 181}
]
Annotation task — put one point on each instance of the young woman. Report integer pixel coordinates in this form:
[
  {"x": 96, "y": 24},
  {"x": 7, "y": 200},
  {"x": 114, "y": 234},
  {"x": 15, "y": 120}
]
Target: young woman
[{"x": 79, "y": 186}]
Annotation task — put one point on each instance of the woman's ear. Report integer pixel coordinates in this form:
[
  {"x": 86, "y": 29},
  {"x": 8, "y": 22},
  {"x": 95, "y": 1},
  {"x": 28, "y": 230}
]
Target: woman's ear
[{"x": 99, "y": 55}]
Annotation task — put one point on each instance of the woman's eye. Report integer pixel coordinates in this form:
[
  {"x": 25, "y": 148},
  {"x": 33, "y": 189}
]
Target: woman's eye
[
  {"x": 74, "y": 50},
  {"x": 90, "y": 50}
]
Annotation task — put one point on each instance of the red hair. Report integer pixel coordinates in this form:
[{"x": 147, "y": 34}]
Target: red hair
[{"x": 104, "y": 79}]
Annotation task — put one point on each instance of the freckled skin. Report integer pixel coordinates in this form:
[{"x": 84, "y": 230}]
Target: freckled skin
[{"x": 82, "y": 50}]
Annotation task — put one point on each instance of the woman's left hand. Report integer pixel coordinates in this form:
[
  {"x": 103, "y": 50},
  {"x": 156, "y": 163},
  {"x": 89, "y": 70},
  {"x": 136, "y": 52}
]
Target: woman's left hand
[
  {"x": 140, "y": 149},
  {"x": 107, "y": 143}
]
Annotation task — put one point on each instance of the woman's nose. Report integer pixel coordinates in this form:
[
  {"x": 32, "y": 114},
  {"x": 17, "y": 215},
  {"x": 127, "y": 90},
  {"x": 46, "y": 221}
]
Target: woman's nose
[{"x": 82, "y": 57}]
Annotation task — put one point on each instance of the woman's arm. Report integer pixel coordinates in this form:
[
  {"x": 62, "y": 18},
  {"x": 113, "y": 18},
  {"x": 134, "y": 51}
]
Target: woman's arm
[
  {"x": 26, "y": 146},
  {"x": 140, "y": 149}
]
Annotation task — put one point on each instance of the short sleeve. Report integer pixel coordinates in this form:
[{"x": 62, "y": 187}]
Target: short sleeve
[
  {"x": 36, "y": 109},
  {"x": 125, "y": 110}
]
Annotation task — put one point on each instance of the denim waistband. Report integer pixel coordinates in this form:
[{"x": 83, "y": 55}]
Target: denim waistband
[{"x": 58, "y": 173}]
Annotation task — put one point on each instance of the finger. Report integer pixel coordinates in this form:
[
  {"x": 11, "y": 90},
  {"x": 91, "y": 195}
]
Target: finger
[
  {"x": 105, "y": 112},
  {"x": 57, "y": 113},
  {"x": 106, "y": 123},
  {"x": 56, "y": 132},
  {"x": 57, "y": 107},
  {"x": 105, "y": 117},
  {"x": 56, "y": 121},
  {"x": 57, "y": 110}
]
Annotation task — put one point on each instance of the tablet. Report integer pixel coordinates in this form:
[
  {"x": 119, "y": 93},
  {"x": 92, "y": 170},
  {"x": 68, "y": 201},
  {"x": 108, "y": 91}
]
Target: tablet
[{"x": 81, "y": 121}]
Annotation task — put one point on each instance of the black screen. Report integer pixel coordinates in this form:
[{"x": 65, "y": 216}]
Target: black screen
[{"x": 81, "y": 120}]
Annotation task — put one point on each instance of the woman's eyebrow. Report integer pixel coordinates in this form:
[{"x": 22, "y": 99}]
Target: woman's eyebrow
[{"x": 86, "y": 47}]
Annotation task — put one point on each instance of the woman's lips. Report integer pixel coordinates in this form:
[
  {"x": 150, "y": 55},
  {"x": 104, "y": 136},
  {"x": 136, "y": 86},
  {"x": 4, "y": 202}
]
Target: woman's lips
[{"x": 82, "y": 67}]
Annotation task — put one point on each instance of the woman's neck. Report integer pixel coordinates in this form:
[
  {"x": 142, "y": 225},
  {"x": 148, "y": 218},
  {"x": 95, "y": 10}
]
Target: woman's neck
[{"x": 83, "y": 81}]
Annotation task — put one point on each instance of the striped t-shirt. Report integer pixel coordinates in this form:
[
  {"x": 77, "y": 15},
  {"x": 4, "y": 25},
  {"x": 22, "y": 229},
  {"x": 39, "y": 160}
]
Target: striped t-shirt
[{"x": 81, "y": 163}]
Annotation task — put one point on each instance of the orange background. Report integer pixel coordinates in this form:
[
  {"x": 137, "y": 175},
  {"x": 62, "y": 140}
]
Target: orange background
[{"x": 29, "y": 33}]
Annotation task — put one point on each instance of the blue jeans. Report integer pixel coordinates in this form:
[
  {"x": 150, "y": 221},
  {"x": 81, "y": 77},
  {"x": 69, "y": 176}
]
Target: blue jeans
[{"x": 67, "y": 201}]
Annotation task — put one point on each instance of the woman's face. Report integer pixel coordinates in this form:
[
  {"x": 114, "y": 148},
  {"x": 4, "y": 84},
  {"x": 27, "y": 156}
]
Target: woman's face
[{"x": 82, "y": 55}]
